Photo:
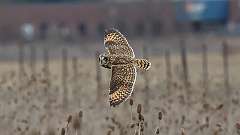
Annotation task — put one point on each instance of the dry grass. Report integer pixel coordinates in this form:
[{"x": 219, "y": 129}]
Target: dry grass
[{"x": 34, "y": 104}]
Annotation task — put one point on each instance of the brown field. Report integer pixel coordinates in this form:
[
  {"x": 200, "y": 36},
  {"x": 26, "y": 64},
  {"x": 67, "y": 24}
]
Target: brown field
[{"x": 40, "y": 103}]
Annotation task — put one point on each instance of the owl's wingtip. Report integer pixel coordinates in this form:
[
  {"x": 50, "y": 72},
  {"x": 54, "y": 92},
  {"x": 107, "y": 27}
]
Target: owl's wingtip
[{"x": 113, "y": 104}]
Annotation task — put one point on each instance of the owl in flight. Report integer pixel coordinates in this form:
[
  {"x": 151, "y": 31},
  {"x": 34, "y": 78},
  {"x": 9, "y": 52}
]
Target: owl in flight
[{"x": 120, "y": 58}]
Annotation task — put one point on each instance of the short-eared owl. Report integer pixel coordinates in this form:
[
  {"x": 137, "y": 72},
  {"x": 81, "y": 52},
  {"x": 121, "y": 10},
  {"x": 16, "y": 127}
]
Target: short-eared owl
[{"x": 121, "y": 60}]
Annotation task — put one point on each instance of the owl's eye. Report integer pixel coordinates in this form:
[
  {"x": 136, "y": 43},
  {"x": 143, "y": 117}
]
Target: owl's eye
[{"x": 105, "y": 58}]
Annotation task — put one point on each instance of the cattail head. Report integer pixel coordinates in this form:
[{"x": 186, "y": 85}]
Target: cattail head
[
  {"x": 219, "y": 107},
  {"x": 109, "y": 132},
  {"x": 160, "y": 115},
  {"x": 219, "y": 126},
  {"x": 141, "y": 128},
  {"x": 131, "y": 102},
  {"x": 140, "y": 117},
  {"x": 69, "y": 119},
  {"x": 183, "y": 119},
  {"x": 207, "y": 121},
  {"x": 63, "y": 131},
  {"x": 197, "y": 121},
  {"x": 106, "y": 118},
  {"x": 139, "y": 108},
  {"x": 132, "y": 125},
  {"x": 111, "y": 127},
  {"x": 80, "y": 114},
  {"x": 157, "y": 131},
  {"x": 216, "y": 132},
  {"x": 76, "y": 123},
  {"x": 113, "y": 119}
]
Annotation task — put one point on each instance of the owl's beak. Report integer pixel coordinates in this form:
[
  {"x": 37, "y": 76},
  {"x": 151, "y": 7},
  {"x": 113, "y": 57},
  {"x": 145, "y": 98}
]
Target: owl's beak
[{"x": 99, "y": 59}]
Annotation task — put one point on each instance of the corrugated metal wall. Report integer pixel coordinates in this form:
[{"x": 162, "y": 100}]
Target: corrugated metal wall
[{"x": 202, "y": 10}]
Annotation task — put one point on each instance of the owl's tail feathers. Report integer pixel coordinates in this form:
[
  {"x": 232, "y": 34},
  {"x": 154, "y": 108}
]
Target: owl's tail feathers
[{"x": 142, "y": 64}]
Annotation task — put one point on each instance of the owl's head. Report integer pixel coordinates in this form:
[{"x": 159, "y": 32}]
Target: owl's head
[{"x": 103, "y": 60}]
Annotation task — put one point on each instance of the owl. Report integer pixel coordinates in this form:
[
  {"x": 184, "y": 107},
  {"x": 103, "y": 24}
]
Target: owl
[{"x": 120, "y": 59}]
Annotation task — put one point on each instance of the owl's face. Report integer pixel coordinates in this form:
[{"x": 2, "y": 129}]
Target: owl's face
[{"x": 104, "y": 61}]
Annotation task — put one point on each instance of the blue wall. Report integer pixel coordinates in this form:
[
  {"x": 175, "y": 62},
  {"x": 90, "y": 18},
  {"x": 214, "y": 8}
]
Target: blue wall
[{"x": 202, "y": 10}]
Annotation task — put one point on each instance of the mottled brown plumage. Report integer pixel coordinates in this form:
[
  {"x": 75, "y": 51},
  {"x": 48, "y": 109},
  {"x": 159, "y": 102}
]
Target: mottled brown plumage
[{"x": 121, "y": 60}]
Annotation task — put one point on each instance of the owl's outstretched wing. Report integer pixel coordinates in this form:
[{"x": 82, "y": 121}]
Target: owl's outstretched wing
[
  {"x": 122, "y": 83},
  {"x": 116, "y": 43}
]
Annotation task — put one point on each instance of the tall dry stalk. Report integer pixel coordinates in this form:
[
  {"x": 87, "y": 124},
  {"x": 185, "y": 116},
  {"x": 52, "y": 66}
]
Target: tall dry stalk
[
  {"x": 65, "y": 76},
  {"x": 33, "y": 53},
  {"x": 146, "y": 80},
  {"x": 75, "y": 68},
  {"x": 46, "y": 68},
  {"x": 21, "y": 57},
  {"x": 98, "y": 79},
  {"x": 168, "y": 70},
  {"x": 185, "y": 68}
]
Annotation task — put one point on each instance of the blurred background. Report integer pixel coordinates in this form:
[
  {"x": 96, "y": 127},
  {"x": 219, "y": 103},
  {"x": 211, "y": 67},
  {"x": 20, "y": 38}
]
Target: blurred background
[{"x": 50, "y": 78}]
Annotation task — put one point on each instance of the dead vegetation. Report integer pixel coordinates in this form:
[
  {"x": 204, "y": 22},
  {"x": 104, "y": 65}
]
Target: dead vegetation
[{"x": 69, "y": 96}]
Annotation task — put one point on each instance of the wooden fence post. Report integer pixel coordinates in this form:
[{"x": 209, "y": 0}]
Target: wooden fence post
[
  {"x": 75, "y": 68},
  {"x": 184, "y": 63},
  {"x": 21, "y": 56},
  {"x": 205, "y": 69},
  {"x": 168, "y": 70},
  {"x": 228, "y": 91},
  {"x": 46, "y": 62},
  {"x": 226, "y": 67}
]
